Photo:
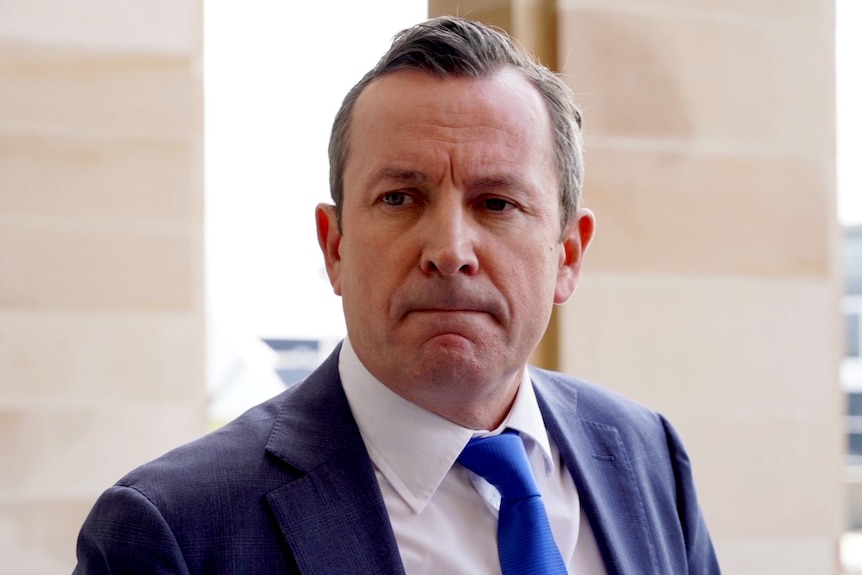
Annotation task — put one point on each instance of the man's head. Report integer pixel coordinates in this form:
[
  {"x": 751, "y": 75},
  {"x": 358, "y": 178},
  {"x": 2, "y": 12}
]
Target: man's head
[
  {"x": 446, "y": 245},
  {"x": 449, "y": 47}
]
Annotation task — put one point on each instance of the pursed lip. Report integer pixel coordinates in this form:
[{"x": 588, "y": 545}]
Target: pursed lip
[
  {"x": 446, "y": 310},
  {"x": 449, "y": 313}
]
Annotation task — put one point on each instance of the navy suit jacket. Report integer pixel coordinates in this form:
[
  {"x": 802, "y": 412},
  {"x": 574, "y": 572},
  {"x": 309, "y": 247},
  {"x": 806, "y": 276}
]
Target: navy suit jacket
[{"x": 288, "y": 487}]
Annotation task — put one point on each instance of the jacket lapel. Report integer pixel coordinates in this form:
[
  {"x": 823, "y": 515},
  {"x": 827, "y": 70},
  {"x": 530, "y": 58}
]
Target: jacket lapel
[
  {"x": 332, "y": 514},
  {"x": 599, "y": 463}
]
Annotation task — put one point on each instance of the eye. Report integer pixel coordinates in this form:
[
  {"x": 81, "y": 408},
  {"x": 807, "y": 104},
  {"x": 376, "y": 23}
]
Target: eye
[
  {"x": 396, "y": 199},
  {"x": 496, "y": 204}
]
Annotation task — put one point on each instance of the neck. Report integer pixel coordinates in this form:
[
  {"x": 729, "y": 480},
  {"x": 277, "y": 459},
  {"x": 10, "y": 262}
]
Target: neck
[{"x": 469, "y": 405}]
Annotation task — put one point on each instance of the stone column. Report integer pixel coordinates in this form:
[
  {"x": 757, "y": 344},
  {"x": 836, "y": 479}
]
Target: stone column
[
  {"x": 711, "y": 290},
  {"x": 101, "y": 257}
]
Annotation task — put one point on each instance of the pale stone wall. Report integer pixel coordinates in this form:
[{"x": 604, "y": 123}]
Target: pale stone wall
[
  {"x": 713, "y": 286},
  {"x": 101, "y": 257},
  {"x": 711, "y": 291}
]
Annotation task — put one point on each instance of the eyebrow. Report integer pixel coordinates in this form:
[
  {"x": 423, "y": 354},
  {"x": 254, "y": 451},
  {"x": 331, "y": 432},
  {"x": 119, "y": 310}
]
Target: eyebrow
[
  {"x": 409, "y": 177},
  {"x": 505, "y": 182},
  {"x": 399, "y": 176}
]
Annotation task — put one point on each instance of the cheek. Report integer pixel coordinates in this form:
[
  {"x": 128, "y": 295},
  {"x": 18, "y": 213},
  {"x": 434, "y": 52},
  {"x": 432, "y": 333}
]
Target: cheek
[
  {"x": 368, "y": 278},
  {"x": 529, "y": 277}
]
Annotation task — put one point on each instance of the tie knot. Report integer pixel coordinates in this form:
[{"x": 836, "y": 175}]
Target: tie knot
[{"x": 502, "y": 461}]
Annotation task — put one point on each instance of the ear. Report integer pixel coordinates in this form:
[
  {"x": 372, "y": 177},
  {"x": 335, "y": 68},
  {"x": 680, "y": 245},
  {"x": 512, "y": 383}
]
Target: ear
[
  {"x": 329, "y": 239},
  {"x": 576, "y": 237}
]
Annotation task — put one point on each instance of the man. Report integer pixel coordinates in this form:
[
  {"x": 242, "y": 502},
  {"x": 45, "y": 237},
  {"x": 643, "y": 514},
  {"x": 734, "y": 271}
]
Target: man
[{"x": 455, "y": 172}]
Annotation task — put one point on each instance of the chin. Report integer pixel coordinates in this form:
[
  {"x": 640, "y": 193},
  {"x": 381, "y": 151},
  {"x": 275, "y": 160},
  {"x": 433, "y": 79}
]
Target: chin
[{"x": 451, "y": 360}]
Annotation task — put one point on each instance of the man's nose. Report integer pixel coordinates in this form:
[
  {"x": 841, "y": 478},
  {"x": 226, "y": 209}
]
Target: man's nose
[{"x": 448, "y": 242}]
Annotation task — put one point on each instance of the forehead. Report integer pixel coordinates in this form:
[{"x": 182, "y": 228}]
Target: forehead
[{"x": 499, "y": 117}]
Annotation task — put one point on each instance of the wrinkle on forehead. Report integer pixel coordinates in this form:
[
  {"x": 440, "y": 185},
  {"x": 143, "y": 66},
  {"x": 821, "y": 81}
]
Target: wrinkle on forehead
[{"x": 389, "y": 175}]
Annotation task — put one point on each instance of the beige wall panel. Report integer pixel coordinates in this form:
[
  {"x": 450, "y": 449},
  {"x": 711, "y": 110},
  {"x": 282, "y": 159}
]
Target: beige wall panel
[
  {"x": 61, "y": 90},
  {"x": 468, "y": 9},
  {"x": 780, "y": 11},
  {"x": 532, "y": 22},
  {"x": 87, "y": 445},
  {"x": 89, "y": 358},
  {"x": 101, "y": 257},
  {"x": 780, "y": 556},
  {"x": 699, "y": 344},
  {"x": 739, "y": 87},
  {"x": 62, "y": 268},
  {"x": 743, "y": 215},
  {"x": 492, "y": 12},
  {"x": 95, "y": 178},
  {"x": 744, "y": 369},
  {"x": 162, "y": 26},
  {"x": 762, "y": 476},
  {"x": 35, "y": 535}
]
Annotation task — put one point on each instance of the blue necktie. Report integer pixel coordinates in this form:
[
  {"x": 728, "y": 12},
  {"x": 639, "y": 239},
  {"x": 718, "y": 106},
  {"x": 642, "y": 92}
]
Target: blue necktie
[{"x": 524, "y": 539}]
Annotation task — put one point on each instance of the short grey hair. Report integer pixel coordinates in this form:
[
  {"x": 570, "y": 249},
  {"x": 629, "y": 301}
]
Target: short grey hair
[{"x": 457, "y": 47}]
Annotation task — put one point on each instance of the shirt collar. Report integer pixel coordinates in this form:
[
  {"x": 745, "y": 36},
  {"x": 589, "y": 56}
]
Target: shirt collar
[{"x": 414, "y": 448}]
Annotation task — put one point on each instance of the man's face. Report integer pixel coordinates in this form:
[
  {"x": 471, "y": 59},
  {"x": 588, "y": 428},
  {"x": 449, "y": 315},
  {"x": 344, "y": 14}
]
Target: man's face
[{"x": 450, "y": 255}]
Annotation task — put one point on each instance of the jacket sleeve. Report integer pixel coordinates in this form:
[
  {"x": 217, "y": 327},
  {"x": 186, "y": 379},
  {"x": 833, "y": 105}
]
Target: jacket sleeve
[
  {"x": 700, "y": 553},
  {"x": 126, "y": 534}
]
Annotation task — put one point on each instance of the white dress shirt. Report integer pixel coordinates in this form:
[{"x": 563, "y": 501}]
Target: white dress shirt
[{"x": 445, "y": 517}]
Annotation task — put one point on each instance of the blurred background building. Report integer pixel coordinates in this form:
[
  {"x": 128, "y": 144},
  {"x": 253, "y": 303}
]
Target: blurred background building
[
  {"x": 851, "y": 370},
  {"x": 713, "y": 291}
]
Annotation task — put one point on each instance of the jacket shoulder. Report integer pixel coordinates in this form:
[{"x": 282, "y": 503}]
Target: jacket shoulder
[{"x": 584, "y": 400}]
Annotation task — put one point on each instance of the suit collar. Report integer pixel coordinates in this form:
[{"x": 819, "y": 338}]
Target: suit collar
[
  {"x": 596, "y": 456},
  {"x": 332, "y": 514}
]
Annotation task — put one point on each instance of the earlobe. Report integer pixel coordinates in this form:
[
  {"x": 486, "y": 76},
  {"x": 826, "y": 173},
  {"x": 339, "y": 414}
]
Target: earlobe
[
  {"x": 575, "y": 240},
  {"x": 329, "y": 239}
]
